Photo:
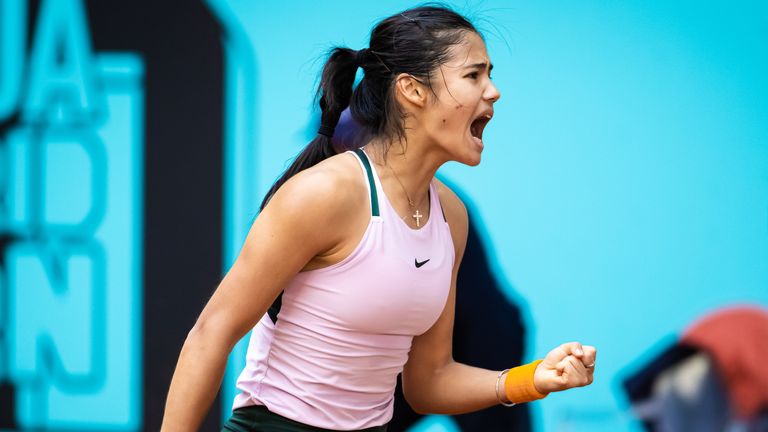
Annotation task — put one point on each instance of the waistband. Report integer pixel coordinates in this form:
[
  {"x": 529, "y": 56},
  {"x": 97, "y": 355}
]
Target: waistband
[{"x": 257, "y": 418}]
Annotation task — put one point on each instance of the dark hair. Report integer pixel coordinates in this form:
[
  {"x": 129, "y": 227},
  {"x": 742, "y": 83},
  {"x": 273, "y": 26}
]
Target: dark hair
[{"x": 416, "y": 41}]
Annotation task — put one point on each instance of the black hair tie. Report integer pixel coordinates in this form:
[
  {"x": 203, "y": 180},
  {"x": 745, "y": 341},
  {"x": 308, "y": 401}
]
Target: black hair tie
[
  {"x": 326, "y": 130},
  {"x": 360, "y": 56}
]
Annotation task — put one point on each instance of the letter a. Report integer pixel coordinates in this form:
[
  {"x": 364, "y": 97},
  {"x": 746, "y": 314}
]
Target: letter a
[{"x": 61, "y": 87}]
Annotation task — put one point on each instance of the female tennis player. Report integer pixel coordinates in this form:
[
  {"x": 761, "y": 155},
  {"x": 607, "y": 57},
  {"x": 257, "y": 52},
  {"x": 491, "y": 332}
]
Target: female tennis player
[{"x": 348, "y": 275}]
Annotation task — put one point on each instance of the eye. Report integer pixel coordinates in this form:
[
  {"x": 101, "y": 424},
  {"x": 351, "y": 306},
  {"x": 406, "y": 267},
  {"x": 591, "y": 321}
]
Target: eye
[{"x": 473, "y": 75}]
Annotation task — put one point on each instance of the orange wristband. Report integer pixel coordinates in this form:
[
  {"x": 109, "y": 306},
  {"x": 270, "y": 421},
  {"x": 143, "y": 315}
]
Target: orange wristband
[{"x": 518, "y": 384}]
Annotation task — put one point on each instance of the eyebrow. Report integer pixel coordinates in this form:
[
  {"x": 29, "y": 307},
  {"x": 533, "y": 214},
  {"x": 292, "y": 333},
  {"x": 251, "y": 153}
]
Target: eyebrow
[{"x": 481, "y": 65}]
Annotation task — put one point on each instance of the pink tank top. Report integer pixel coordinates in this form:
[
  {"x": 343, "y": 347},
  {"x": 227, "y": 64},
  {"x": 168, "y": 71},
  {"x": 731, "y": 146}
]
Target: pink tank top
[{"x": 343, "y": 332}]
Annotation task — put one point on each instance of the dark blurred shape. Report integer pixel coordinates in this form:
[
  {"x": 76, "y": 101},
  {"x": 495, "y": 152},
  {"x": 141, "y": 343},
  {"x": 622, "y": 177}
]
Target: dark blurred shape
[
  {"x": 7, "y": 390},
  {"x": 181, "y": 44},
  {"x": 8, "y": 402},
  {"x": 712, "y": 379}
]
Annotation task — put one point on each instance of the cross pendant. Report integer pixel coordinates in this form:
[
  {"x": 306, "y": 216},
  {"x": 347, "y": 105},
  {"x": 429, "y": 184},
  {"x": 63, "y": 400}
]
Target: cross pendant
[{"x": 418, "y": 217}]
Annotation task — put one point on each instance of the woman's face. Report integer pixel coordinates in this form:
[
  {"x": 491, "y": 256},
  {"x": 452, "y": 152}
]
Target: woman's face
[{"x": 463, "y": 105}]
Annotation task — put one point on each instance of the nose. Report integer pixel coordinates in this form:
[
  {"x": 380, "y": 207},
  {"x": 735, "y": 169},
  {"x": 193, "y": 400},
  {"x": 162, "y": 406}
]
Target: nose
[{"x": 492, "y": 93}]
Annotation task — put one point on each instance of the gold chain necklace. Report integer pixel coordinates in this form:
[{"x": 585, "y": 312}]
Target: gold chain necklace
[{"x": 417, "y": 216}]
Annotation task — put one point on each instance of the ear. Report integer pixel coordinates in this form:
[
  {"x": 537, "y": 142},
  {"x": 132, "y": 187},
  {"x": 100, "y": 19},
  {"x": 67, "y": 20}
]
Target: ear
[{"x": 412, "y": 91}]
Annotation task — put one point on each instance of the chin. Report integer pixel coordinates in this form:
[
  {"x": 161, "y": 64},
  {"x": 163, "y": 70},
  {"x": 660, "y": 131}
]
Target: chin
[
  {"x": 475, "y": 161},
  {"x": 469, "y": 159},
  {"x": 466, "y": 152}
]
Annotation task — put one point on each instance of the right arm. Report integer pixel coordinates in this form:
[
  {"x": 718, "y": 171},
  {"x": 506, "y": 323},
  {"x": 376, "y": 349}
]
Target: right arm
[{"x": 300, "y": 222}]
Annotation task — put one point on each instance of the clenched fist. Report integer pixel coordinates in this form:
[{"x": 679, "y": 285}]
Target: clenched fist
[{"x": 567, "y": 366}]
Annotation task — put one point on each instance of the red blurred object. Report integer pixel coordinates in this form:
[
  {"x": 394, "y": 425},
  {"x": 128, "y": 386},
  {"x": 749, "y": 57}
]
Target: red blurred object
[{"x": 737, "y": 340}]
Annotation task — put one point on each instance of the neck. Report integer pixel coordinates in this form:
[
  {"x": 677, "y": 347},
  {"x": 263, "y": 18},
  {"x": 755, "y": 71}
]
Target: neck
[{"x": 414, "y": 168}]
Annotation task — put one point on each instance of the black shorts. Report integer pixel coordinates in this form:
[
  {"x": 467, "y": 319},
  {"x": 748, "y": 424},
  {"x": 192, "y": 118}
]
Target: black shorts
[{"x": 257, "y": 418}]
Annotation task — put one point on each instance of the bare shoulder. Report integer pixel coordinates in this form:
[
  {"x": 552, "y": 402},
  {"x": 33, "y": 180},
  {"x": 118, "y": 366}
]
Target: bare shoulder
[
  {"x": 455, "y": 213},
  {"x": 321, "y": 202},
  {"x": 328, "y": 187}
]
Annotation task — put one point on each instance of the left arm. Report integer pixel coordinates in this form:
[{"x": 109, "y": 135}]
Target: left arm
[{"x": 433, "y": 383}]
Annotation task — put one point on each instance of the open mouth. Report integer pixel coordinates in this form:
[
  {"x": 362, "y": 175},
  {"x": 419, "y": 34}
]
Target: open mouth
[{"x": 478, "y": 125}]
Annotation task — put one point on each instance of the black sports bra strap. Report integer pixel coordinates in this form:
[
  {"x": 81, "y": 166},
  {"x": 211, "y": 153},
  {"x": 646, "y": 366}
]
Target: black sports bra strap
[
  {"x": 429, "y": 196},
  {"x": 374, "y": 196},
  {"x": 441, "y": 208}
]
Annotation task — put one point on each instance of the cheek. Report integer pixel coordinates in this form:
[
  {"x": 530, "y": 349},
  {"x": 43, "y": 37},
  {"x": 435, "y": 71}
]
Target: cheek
[
  {"x": 455, "y": 119},
  {"x": 450, "y": 118},
  {"x": 448, "y": 125}
]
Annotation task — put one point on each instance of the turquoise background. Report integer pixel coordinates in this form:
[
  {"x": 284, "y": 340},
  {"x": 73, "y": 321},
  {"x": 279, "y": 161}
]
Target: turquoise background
[
  {"x": 624, "y": 184},
  {"x": 71, "y": 218},
  {"x": 623, "y": 189}
]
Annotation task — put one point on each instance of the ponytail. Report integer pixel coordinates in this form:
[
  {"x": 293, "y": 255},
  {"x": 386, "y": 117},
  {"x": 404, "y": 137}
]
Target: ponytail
[
  {"x": 334, "y": 93},
  {"x": 416, "y": 41}
]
